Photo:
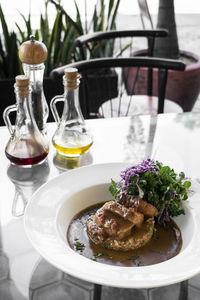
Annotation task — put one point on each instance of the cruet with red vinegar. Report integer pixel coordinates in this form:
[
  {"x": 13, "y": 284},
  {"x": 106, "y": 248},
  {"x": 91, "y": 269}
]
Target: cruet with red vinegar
[{"x": 27, "y": 146}]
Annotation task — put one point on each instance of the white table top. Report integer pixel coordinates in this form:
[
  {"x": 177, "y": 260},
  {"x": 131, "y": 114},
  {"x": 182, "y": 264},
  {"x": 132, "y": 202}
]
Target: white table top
[{"x": 170, "y": 138}]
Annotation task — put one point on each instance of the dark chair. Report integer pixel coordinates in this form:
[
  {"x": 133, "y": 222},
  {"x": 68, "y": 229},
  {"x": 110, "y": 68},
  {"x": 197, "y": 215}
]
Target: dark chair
[
  {"x": 96, "y": 94},
  {"x": 116, "y": 43},
  {"x": 119, "y": 43}
]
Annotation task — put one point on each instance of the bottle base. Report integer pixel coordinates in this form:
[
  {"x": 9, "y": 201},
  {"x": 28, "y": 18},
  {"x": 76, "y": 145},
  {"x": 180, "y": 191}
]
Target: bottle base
[
  {"x": 64, "y": 162},
  {"x": 27, "y": 162},
  {"x": 72, "y": 152}
]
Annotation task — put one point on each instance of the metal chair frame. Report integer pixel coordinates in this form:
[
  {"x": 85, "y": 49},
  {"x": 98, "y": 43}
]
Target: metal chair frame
[
  {"x": 84, "y": 41},
  {"x": 163, "y": 65}
]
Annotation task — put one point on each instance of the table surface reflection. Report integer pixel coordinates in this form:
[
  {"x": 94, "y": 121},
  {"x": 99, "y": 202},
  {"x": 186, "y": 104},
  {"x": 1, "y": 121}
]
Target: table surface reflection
[{"x": 170, "y": 138}]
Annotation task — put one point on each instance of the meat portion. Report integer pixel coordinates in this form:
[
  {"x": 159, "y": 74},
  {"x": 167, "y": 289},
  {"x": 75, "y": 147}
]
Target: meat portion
[
  {"x": 114, "y": 225},
  {"x": 147, "y": 209},
  {"x": 117, "y": 220},
  {"x": 138, "y": 237},
  {"x": 126, "y": 213},
  {"x": 117, "y": 227},
  {"x": 140, "y": 205}
]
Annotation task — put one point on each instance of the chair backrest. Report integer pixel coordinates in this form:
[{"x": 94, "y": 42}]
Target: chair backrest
[
  {"x": 145, "y": 15},
  {"x": 95, "y": 90},
  {"x": 115, "y": 43},
  {"x": 119, "y": 43}
]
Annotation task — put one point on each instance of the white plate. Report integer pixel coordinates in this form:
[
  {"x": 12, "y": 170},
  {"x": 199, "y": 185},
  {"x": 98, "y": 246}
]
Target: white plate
[{"x": 53, "y": 206}]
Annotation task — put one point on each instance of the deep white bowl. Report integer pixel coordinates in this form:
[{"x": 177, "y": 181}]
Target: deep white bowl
[{"x": 53, "y": 206}]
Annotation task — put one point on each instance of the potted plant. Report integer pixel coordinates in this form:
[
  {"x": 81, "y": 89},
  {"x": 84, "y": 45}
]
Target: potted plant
[
  {"x": 59, "y": 41},
  {"x": 8, "y": 53},
  {"x": 103, "y": 18},
  {"x": 182, "y": 87},
  {"x": 10, "y": 65}
]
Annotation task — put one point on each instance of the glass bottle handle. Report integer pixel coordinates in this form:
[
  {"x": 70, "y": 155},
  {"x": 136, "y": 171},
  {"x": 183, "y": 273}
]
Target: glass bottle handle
[
  {"x": 53, "y": 107},
  {"x": 6, "y": 118}
]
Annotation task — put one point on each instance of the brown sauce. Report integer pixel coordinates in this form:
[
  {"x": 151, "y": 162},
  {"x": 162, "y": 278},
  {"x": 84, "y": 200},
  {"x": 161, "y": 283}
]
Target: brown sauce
[{"x": 165, "y": 244}]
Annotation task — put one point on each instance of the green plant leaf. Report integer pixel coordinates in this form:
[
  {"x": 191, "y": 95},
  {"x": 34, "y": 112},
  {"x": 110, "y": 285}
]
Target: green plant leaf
[
  {"x": 28, "y": 24},
  {"x": 44, "y": 29},
  {"x": 68, "y": 46},
  {"x": 44, "y": 25},
  {"x": 37, "y": 36},
  {"x": 122, "y": 50},
  {"x": 50, "y": 47},
  {"x": 46, "y": 15},
  {"x": 110, "y": 7},
  {"x": 5, "y": 30},
  {"x": 57, "y": 37},
  {"x": 4, "y": 64},
  {"x": 95, "y": 19},
  {"x": 58, "y": 6},
  {"x": 14, "y": 67},
  {"x": 78, "y": 18},
  {"x": 100, "y": 26},
  {"x": 21, "y": 33},
  {"x": 113, "y": 24}
]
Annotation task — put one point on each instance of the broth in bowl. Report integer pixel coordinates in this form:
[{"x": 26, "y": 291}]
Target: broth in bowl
[
  {"x": 165, "y": 243},
  {"x": 136, "y": 227}
]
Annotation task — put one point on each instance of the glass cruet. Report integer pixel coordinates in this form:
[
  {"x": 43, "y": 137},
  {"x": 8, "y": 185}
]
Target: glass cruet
[
  {"x": 71, "y": 137},
  {"x": 27, "y": 146},
  {"x": 32, "y": 55}
]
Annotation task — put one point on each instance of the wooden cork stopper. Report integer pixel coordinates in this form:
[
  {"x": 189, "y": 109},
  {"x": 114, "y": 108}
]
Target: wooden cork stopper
[
  {"x": 22, "y": 82},
  {"x": 71, "y": 76},
  {"x": 32, "y": 52}
]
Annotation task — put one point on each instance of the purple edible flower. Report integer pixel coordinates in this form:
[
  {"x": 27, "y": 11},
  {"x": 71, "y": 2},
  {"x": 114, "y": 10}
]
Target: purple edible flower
[{"x": 148, "y": 165}]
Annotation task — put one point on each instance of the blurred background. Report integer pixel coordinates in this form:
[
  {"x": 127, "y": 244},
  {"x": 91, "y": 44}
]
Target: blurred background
[
  {"x": 127, "y": 7},
  {"x": 58, "y": 29}
]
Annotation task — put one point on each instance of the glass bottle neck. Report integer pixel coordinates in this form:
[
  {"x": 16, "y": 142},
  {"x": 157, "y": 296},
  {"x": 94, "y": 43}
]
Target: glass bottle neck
[
  {"x": 72, "y": 110},
  {"x": 34, "y": 72},
  {"x": 23, "y": 106}
]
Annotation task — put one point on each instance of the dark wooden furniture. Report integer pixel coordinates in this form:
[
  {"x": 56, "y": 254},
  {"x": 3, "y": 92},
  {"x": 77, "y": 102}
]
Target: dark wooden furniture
[
  {"x": 115, "y": 42},
  {"x": 94, "y": 106}
]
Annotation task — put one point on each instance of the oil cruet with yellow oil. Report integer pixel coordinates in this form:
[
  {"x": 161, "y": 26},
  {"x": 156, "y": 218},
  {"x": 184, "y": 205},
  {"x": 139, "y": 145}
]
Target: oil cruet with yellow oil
[{"x": 71, "y": 137}]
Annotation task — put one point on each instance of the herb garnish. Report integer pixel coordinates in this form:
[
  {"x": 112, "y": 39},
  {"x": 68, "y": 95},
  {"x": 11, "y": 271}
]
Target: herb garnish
[
  {"x": 131, "y": 258},
  {"x": 100, "y": 254},
  {"x": 79, "y": 246},
  {"x": 156, "y": 184}
]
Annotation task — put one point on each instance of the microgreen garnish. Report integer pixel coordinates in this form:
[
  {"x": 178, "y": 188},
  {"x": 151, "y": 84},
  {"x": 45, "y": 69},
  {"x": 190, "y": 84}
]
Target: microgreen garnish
[
  {"x": 131, "y": 258},
  {"x": 155, "y": 237},
  {"x": 153, "y": 231},
  {"x": 100, "y": 254},
  {"x": 79, "y": 246},
  {"x": 156, "y": 184}
]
